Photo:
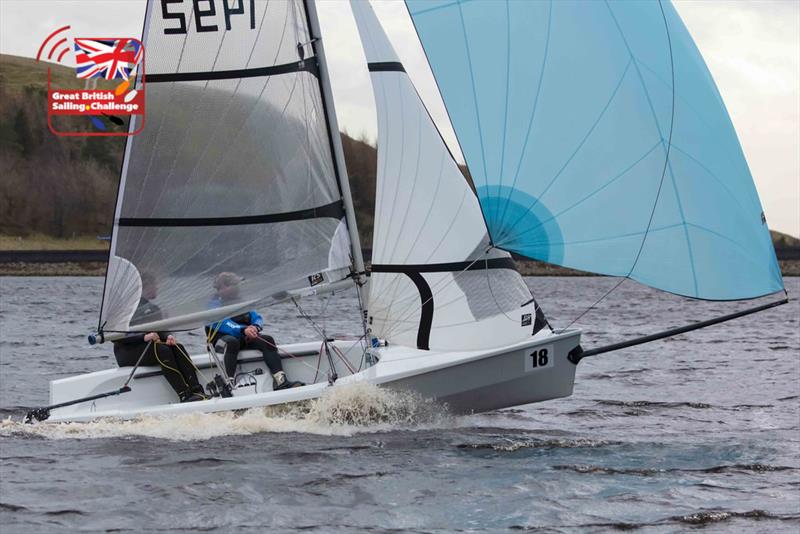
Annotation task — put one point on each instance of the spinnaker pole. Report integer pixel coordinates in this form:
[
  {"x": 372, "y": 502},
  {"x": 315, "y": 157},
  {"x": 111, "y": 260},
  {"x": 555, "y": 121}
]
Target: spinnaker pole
[{"x": 577, "y": 354}]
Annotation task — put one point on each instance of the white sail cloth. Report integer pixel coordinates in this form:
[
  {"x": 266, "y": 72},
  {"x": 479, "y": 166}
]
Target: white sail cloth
[
  {"x": 233, "y": 170},
  {"x": 435, "y": 282}
]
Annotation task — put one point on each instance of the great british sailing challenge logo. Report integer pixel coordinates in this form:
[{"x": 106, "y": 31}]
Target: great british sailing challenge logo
[{"x": 116, "y": 64}]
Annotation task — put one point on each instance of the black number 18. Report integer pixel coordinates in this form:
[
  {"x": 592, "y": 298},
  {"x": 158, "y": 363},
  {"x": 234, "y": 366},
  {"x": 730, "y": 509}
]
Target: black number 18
[{"x": 539, "y": 358}]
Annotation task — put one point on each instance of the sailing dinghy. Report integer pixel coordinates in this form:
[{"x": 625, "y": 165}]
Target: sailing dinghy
[{"x": 595, "y": 138}]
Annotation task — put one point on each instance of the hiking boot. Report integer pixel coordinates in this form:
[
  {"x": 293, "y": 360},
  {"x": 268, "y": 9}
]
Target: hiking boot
[{"x": 279, "y": 381}]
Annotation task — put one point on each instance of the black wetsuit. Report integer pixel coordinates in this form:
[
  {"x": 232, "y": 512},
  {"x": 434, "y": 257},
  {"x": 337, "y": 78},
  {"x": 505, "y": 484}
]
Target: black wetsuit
[
  {"x": 177, "y": 368},
  {"x": 231, "y": 345}
]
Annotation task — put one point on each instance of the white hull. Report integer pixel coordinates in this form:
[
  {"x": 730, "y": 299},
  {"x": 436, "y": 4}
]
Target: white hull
[{"x": 467, "y": 381}]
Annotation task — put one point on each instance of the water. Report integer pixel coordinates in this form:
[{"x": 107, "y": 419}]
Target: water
[{"x": 701, "y": 430}]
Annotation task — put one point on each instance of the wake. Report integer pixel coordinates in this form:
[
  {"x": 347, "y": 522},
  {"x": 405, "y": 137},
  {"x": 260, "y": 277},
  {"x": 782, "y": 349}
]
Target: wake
[{"x": 341, "y": 411}]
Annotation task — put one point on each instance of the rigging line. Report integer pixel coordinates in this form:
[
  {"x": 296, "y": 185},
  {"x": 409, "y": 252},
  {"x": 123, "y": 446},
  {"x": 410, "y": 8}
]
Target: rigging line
[
  {"x": 663, "y": 173},
  {"x": 308, "y": 318},
  {"x": 669, "y": 141},
  {"x": 545, "y": 55},
  {"x": 587, "y": 310},
  {"x": 364, "y": 313},
  {"x": 319, "y": 361},
  {"x": 344, "y": 360},
  {"x": 165, "y": 366},
  {"x": 189, "y": 359}
]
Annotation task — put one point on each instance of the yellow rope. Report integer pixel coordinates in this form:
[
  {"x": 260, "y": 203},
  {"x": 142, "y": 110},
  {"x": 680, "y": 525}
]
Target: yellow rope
[
  {"x": 155, "y": 352},
  {"x": 189, "y": 358}
]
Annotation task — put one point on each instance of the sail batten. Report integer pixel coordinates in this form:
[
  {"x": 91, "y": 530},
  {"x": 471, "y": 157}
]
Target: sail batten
[
  {"x": 334, "y": 210},
  {"x": 618, "y": 156}
]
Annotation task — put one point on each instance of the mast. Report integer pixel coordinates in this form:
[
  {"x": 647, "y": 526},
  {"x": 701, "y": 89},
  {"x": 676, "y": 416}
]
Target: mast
[{"x": 336, "y": 141}]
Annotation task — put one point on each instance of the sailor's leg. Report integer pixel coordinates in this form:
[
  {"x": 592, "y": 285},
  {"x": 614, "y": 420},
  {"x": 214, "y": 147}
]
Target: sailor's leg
[
  {"x": 269, "y": 351},
  {"x": 186, "y": 367},
  {"x": 166, "y": 359},
  {"x": 266, "y": 344}
]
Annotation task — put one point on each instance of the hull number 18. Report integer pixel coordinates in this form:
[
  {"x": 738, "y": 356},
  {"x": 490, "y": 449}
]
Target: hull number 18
[{"x": 539, "y": 358}]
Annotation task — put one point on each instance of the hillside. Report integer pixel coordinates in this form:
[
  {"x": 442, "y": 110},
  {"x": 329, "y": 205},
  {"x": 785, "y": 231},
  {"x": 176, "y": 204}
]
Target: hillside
[{"x": 64, "y": 187}]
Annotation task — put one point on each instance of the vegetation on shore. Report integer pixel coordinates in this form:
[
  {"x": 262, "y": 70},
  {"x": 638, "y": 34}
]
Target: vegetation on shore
[{"x": 58, "y": 193}]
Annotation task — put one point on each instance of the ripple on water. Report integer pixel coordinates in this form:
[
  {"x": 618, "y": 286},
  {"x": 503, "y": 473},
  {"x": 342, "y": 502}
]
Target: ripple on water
[{"x": 734, "y": 468}]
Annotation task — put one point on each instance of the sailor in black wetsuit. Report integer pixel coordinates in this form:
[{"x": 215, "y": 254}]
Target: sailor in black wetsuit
[
  {"x": 164, "y": 351},
  {"x": 243, "y": 332}
]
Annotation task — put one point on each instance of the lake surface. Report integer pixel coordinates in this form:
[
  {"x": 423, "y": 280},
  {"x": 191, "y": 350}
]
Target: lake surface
[{"x": 696, "y": 431}]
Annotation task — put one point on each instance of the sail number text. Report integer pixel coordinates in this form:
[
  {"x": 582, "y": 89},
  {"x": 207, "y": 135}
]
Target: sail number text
[
  {"x": 205, "y": 14},
  {"x": 539, "y": 358}
]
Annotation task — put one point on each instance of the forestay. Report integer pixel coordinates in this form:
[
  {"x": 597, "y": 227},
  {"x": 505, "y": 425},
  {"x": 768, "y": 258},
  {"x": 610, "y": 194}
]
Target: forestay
[
  {"x": 597, "y": 140},
  {"x": 233, "y": 171},
  {"x": 435, "y": 282}
]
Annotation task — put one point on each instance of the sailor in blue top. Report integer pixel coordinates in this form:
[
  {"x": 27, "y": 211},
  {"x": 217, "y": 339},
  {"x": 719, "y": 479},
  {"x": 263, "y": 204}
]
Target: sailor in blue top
[{"x": 230, "y": 335}]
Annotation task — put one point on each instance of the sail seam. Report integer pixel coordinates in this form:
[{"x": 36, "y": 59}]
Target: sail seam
[
  {"x": 523, "y": 151},
  {"x": 334, "y": 210},
  {"x": 474, "y": 98},
  {"x": 307, "y": 65}
]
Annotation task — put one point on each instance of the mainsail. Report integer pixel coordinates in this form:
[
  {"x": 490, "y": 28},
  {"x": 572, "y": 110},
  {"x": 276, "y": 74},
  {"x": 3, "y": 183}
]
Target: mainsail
[
  {"x": 597, "y": 140},
  {"x": 234, "y": 169},
  {"x": 436, "y": 283}
]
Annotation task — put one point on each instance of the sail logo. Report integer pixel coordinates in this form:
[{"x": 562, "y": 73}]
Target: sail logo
[{"x": 111, "y": 73}]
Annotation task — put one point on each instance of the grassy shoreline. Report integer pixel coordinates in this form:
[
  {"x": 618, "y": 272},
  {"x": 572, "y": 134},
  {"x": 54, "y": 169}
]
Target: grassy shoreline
[
  {"x": 98, "y": 268},
  {"x": 36, "y": 242}
]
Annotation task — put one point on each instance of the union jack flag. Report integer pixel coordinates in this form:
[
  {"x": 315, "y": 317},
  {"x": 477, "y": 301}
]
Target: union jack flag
[{"x": 106, "y": 58}]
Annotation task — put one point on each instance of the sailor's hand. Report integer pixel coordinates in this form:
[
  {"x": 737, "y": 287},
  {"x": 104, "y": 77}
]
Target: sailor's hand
[
  {"x": 171, "y": 341},
  {"x": 151, "y": 336},
  {"x": 251, "y": 332}
]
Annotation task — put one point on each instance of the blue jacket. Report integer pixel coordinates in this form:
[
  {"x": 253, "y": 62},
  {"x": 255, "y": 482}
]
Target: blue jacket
[{"x": 234, "y": 326}]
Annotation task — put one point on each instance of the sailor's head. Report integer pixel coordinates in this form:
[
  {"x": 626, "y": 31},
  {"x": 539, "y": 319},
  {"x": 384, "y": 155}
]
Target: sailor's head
[
  {"x": 149, "y": 285},
  {"x": 227, "y": 285}
]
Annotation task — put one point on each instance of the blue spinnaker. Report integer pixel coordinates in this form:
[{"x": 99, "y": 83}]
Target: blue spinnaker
[{"x": 597, "y": 140}]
